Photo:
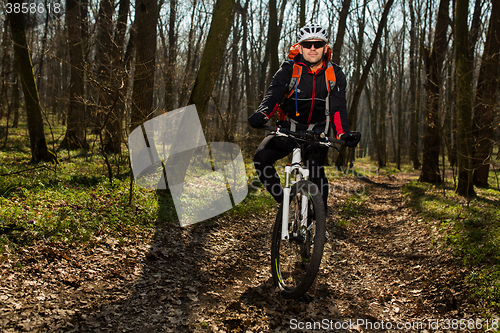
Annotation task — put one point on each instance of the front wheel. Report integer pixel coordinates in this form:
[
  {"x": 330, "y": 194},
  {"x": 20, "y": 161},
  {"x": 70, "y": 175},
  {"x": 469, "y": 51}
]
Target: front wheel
[{"x": 295, "y": 261}]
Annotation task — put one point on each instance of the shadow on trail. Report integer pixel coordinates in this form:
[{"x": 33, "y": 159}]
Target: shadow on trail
[
  {"x": 171, "y": 276},
  {"x": 186, "y": 279},
  {"x": 210, "y": 276}
]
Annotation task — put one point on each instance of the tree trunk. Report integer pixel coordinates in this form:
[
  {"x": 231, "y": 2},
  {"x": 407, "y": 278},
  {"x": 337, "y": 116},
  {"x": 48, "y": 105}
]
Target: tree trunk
[
  {"x": 107, "y": 95},
  {"x": 474, "y": 30},
  {"x": 434, "y": 63},
  {"x": 375, "y": 140},
  {"x": 464, "y": 101},
  {"x": 382, "y": 124},
  {"x": 339, "y": 40},
  {"x": 75, "y": 132},
  {"x": 14, "y": 105},
  {"x": 189, "y": 62},
  {"x": 143, "y": 92},
  {"x": 172, "y": 55},
  {"x": 449, "y": 109},
  {"x": 66, "y": 74},
  {"x": 485, "y": 98},
  {"x": 119, "y": 80},
  {"x": 6, "y": 64},
  {"x": 233, "y": 104},
  {"x": 359, "y": 48},
  {"x": 5, "y": 70},
  {"x": 249, "y": 87},
  {"x": 57, "y": 72},
  {"x": 302, "y": 13},
  {"x": 128, "y": 56},
  {"x": 413, "y": 90},
  {"x": 282, "y": 16},
  {"x": 84, "y": 26},
  {"x": 274, "y": 36},
  {"x": 39, "y": 150},
  {"x": 212, "y": 58},
  {"x": 42, "y": 53},
  {"x": 400, "y": 97}
]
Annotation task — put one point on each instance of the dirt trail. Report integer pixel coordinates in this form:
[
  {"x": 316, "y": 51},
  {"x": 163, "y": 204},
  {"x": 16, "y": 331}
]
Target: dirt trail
[{"x": 380, "y": 270}]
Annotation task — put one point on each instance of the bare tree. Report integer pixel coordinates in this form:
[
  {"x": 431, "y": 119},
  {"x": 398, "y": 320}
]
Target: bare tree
[
  {"x": 401, "y": 62},
  {"x": 249, "y": 86},
  {"x": 302, "y": 13},
  {"x": 233, "y": 100},
  {"x": 413, "y": 88},
  {"x": 146, "y": 12},
  {"x": 339, "y": 40},
  {"x": 6, "y": 64},
  {"x": 273, "y": 39},
  {"x": 475, "y": 29},
  {"x": 172, "y": 54},
  {"x": 382, "y": 103},
  {"x": 464, "y": 101},
  {"x": 104, "y": 69},
  {"x": 38, "y": 144},
  {"x": 485, "y": 98},
  {"x": 75, "y": 132},
  {"x": 212, "y": 58},
  {"x": 434, "y": 63}
]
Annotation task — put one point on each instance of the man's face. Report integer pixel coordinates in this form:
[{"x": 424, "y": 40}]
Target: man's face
[{"x": 312, "y": 50}]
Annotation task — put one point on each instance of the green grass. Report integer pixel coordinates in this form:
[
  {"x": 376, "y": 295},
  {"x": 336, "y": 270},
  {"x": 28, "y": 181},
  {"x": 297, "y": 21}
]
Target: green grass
[
  {"x": 72, "y": 202},
  {"x": 352, "y": 209},
  {"x": 257, "y": 201},
  {"x": 470, "y": 229},
  {"x": 75, "y": 203}
]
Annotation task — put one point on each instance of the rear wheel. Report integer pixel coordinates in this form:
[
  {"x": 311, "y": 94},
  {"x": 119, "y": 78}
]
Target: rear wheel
[{"x": 295, "y": 261}]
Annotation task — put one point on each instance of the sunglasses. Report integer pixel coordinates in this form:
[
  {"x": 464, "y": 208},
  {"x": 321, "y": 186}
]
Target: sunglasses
[{"x": 317, "y": 44}]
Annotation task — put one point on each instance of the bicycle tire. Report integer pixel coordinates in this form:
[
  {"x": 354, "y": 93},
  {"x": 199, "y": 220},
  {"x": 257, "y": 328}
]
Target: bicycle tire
[{"x": 295, "y": 263}]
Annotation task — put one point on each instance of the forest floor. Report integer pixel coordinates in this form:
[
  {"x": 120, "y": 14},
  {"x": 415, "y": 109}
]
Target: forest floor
[{"x": 381, "y": 269}]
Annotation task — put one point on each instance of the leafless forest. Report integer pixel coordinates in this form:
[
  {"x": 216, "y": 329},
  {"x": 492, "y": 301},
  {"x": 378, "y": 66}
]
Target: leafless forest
[
  {"x": 422, "y": 74},
  {"x": 83, "y": 250}
]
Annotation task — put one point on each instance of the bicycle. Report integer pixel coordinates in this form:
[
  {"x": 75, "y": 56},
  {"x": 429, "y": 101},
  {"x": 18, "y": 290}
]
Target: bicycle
[{"x": 299, "y": 232}]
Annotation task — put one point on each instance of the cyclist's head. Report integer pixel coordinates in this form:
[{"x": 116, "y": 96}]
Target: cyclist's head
[
  {"x": 312, "y": 31},
  {"x": 312, "y": 39}
]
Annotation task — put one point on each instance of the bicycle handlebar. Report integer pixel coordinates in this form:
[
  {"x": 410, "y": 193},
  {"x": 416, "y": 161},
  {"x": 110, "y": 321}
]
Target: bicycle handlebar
[{"x": 308, "y": 136}]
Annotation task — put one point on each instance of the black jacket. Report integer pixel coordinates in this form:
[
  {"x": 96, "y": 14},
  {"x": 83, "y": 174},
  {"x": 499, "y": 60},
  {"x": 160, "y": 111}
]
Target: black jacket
[{"x": 311, "y": 96}]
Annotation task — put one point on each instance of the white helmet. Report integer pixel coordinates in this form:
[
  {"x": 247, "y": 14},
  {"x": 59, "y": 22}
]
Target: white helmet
[{"x": 313, "y": 31}]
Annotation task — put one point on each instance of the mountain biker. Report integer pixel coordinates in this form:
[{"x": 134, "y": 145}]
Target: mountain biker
[{"x": 301, "y": 110}]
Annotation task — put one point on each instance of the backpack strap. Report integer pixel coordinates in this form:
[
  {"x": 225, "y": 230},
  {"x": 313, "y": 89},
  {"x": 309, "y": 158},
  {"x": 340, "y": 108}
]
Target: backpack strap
[
  {"x": 294, "y": 81},
  {"x": 330, "y": 77},
  {"x": 330, "y": 85}
]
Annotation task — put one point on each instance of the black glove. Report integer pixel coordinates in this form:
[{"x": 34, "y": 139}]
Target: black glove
[
  {"x": 351, "y": 138},
  {"x": 258, "y": 119}
]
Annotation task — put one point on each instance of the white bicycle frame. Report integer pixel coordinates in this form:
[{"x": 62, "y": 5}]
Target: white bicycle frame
[{"x": 303, "y": 173}]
